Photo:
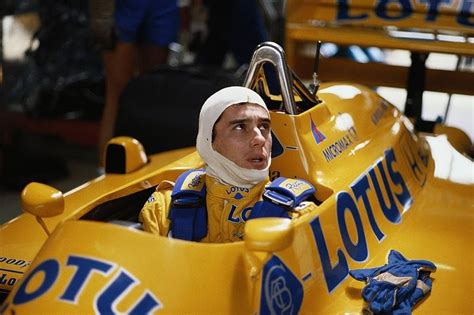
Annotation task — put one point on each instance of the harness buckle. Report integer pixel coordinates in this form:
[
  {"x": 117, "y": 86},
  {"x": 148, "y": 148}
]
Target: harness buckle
[
  {"x": 278, "y": 199},
  {"x": 187, "y": 202}
]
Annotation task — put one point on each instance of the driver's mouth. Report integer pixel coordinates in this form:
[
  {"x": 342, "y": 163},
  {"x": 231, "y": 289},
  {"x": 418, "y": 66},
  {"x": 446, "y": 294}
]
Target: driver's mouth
[{"x": 258, "y": 162}]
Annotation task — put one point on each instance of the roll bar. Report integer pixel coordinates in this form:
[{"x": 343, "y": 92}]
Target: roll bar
[{"x": 270, "y": 52}]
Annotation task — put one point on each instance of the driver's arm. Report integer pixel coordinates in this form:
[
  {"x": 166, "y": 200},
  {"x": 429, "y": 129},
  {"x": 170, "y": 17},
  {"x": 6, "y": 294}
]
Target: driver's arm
[{"x": 154, "y": 214}]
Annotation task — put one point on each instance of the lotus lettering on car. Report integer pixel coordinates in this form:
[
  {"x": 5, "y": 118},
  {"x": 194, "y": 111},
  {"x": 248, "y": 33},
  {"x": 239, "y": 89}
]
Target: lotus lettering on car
[
  {"x": 48, "y": 272},
  {"x": 346, "y": 203},
  {"x": 382, "y": 10}
]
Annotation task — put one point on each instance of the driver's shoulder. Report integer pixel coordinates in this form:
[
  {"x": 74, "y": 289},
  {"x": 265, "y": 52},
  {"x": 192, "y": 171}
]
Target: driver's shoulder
[{"x": 191, "y": 179}]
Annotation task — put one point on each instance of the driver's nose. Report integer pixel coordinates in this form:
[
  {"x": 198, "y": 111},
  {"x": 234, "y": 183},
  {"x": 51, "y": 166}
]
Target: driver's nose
[{"x": 257, "y": 138}]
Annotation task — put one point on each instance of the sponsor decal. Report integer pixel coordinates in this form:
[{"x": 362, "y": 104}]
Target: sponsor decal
[
  {"x": 384, "y": 10},
  {"x": 194, "y": 181},
  {"x": 416, "y": 158},
  {"x": 6, "y": 279},
  {"x": 392, "y": 196},
  {"x": 317, "y": 134},
  {"x": 238, "y": 217},
  {"x": 45, "y": 275},
  {"x": 151, "y": 199},
  {"x": 9, "y": 277},
  {"x": 15, "y": 262},
  {"x": 282, "y": 292},
  {"x": 297, "y": 187},
  {"x": 340, "y": 145},
  {"x": 233, "y": 189},
  {"x": 378, "y": 113}
]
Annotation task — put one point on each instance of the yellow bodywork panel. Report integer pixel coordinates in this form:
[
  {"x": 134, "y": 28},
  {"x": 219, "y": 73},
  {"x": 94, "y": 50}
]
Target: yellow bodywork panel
[
  {"x": 375, "y": 191},
  {"x": 455, "y": 16},
  {"x": 383, "y": 23}
]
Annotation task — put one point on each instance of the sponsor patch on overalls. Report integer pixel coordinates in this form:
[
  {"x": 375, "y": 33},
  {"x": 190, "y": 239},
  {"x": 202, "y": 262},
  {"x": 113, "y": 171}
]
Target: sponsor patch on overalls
[
  {"x": 297, "y": 187},
  {"x": 194, "y": 181}
]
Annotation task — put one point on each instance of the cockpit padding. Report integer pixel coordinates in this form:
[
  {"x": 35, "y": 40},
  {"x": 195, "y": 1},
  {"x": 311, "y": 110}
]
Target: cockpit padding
[{"x": 125, "y": 208}]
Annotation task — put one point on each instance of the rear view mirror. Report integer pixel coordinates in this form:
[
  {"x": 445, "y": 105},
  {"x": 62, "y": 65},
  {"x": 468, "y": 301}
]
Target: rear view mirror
[
  {"x": 41, "y": 200},
  {"x": 268, "y": 234},
  {"x": 124, "y": 155}
]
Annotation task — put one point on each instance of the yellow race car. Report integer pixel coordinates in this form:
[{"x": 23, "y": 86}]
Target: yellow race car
[{"x": 379, "y": 186}]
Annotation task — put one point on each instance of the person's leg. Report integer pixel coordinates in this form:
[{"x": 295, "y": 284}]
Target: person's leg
[
  {"x": 151, "y": 56},
  {"x": 119, "y": 69},
  {"x": 159, "y": 29},
  {"x": 216, "y": 44},
  {"x": 119, "y": 63},
  {"x": 247, "y": 29}
]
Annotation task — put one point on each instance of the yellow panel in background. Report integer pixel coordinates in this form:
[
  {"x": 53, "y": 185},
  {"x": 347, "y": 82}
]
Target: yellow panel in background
[{"x": 455, "y": 16}]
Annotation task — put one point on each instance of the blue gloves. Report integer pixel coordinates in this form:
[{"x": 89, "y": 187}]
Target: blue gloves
[{"x": 397, "y": 286}]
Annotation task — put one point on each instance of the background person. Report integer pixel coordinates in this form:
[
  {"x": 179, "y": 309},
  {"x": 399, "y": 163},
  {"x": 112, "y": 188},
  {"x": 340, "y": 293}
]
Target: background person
[
  {"x": 142, "y": 31},
  {"x": 233, "y": 26}
]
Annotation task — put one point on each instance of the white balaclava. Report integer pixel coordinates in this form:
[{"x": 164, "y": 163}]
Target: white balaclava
[{"x": 217, "y": 165}]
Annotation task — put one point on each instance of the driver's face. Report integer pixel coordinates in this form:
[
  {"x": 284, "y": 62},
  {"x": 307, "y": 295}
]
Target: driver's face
[{"x": 243, "y": 135}]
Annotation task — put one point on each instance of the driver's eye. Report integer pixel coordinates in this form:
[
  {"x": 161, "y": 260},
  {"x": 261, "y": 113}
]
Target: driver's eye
[{"x": 265, "y": 127}]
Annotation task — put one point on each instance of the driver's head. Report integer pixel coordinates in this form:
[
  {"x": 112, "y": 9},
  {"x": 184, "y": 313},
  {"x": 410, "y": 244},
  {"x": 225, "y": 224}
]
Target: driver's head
[{"x": 234, "y": 137}]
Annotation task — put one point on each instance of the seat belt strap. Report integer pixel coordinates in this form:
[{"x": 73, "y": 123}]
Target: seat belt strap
[
  {"x": 188, "y": 214},
  {"x": 282, "y": 195}
]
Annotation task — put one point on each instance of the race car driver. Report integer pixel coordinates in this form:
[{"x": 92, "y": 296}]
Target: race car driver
[{"x": 212, "y": 204}]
